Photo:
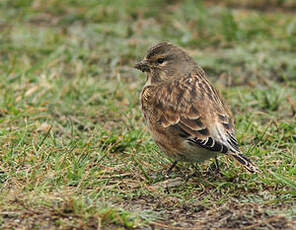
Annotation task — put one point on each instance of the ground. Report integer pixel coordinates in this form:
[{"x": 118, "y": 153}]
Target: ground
[{"x": 75, "y": 153}]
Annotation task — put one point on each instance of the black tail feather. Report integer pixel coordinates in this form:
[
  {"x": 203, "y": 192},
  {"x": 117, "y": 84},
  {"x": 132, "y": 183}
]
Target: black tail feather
[{"x": 245, "y": 161}]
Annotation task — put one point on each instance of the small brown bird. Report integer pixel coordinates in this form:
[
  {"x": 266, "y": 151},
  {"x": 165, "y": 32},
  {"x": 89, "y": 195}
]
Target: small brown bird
[{"x": 186, "y": 116}]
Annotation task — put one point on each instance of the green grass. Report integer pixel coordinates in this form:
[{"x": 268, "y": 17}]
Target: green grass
[{"x": 74, "y": 149}]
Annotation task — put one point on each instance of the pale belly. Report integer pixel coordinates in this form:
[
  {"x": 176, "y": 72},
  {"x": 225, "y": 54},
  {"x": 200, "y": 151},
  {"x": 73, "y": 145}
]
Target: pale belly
[
  {"x": 193, "y": 153},
  {"x": 179, "y": 148},
  {"x": 176, "y": 146}
]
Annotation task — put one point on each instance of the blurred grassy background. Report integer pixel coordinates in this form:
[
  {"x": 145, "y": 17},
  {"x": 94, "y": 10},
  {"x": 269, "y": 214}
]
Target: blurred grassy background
[{"x": 74, "y": 149}]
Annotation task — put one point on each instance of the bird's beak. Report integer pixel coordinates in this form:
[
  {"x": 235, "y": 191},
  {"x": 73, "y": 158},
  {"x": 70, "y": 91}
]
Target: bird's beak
[{"x": 142, "y": 66}]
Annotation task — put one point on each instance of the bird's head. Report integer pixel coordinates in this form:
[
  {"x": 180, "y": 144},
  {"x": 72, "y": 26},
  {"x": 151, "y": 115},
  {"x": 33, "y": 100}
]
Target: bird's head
[{"x": 165, "y": 62}]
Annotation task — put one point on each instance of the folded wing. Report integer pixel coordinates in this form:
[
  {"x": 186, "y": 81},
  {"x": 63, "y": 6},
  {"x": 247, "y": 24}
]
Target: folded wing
[{"x": 197, "y": 112}]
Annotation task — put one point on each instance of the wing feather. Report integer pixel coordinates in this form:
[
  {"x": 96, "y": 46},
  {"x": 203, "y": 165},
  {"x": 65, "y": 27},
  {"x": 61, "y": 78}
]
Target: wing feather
[
  {"x": 181, "y": 109},
  {"x": 194, "y": 110}
]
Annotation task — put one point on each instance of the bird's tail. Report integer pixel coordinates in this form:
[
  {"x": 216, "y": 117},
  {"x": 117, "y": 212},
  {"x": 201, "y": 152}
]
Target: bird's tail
[{"x": 245, "y": 162}]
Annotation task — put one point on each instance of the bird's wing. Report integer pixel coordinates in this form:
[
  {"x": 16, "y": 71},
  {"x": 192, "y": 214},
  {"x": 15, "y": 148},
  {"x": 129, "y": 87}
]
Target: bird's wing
[{"x": 193, "y": 109}]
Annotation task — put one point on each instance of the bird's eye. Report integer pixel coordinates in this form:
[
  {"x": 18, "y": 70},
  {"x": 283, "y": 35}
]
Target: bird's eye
[{"x": 160, "y": 60}]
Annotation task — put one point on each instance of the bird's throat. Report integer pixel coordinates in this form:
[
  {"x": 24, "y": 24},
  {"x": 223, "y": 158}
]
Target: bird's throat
[{"x": 148, "y": 79}]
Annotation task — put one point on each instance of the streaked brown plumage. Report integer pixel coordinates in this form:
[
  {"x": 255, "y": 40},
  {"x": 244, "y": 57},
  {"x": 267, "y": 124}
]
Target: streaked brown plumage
[{"x": 186, "y": 116}]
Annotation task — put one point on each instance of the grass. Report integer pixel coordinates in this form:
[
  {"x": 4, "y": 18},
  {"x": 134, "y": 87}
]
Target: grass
[{"x": 75, "y": 153}]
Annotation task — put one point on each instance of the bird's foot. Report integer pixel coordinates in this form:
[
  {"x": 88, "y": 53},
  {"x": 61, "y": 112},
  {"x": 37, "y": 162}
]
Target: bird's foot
[
  {"x": 216, "y": 169},
  {"x": 168, "y": 173}
]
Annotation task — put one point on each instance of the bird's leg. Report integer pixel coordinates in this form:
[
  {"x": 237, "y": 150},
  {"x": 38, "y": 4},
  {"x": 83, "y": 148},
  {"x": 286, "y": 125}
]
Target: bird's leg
[
  {"x": 168, "y": 173},
  {"x": 171, "y": 168},
  {"x": 216, "y": 168},
  {"x": 217, "y": 165},
  {"x": 195, "y": 173}
]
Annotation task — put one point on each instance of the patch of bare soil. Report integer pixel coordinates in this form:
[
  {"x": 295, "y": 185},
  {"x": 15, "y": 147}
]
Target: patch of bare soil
[
  {"x": 171, "y": 215},
  {"x": 174, "y": 213},
  {"x": 25, "y": 216},
  {"x": 232, "y": 215}
]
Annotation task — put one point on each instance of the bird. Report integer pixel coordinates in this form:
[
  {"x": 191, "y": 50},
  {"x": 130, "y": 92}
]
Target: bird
[{"x": 186, "y": 115}]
